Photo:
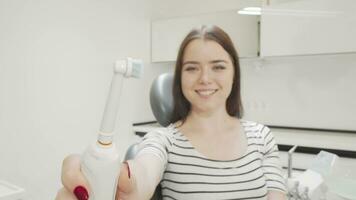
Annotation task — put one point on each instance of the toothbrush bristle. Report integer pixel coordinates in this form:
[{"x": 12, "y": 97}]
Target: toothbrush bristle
[{"x": 137, "y": 69}]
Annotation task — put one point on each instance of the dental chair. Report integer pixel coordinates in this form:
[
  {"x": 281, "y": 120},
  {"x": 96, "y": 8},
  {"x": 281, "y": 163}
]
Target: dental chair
[{"x": 161, "y": 100}]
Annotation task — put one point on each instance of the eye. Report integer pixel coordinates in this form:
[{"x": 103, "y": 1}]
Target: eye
[
  {"x": 219, "y": 67},
  {"x": 190, "y": 68}
]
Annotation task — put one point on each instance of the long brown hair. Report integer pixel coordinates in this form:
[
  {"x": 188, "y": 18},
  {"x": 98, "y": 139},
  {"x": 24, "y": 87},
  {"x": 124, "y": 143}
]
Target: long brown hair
[{"x": 233, "y": 103}]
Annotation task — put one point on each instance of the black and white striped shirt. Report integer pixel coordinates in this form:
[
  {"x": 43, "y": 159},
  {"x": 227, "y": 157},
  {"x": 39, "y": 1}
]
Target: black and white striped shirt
[{"x": 190, "y": 175}]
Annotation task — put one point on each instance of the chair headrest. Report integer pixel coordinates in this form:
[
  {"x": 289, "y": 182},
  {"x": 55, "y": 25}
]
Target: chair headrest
[{"x": 161, "y": 98}]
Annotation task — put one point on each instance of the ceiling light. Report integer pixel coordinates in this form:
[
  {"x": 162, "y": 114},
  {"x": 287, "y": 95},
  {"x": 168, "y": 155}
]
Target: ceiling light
[{"x": 250, "y": 11}]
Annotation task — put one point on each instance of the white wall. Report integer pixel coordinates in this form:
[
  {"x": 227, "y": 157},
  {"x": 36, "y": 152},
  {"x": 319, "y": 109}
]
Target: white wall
[
  {"x": 316, "y": 91},
  {"x": 55, "y": 69}
]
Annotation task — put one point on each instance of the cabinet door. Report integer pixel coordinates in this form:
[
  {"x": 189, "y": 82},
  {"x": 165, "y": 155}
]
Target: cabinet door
[
  {"x": 167, "y": 34},
  {"x": 308, "y": 27}
]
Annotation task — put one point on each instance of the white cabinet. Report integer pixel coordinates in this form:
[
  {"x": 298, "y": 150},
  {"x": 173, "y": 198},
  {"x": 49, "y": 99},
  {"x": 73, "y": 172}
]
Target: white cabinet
[
  {"x": 167, "y": 34},
  {"x": 306, "y": 27}
]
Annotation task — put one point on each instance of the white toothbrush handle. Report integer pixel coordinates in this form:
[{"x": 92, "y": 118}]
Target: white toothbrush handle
[
  {"x": 101, "y": 166},
  {"x": 100, "y": 162}
]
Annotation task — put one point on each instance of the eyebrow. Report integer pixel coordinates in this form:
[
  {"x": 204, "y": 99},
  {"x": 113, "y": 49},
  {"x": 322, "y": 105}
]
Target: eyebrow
[
  {"x": 196, "y": 62},
  {"x": 217, "y": 61},
  {"x": 190, "y": 62}
]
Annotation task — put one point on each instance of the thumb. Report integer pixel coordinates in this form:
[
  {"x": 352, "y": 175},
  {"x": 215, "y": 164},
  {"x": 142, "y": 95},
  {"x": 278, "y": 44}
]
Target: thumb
[
  {"x": 73, "y": 179},
  {"x": 126, "y": 184}
]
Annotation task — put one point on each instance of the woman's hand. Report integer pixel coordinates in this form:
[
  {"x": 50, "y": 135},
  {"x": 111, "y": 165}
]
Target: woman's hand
[{"x": 76, "y": 187}]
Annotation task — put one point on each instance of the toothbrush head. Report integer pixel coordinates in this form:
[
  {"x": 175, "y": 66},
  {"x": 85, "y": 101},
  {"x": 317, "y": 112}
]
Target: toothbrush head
[{"x": 129, "y": 67}]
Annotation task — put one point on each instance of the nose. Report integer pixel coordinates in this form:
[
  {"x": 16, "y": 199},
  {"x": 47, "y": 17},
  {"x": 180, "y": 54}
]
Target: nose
[{"x": 204, "y": 76}]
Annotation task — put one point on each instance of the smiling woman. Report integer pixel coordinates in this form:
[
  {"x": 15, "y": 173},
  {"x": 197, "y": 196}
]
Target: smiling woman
[
  {"x": 207, "y": 75},
  {"x": 208, "y": 151},
  {"x": 204, "y": 51}
]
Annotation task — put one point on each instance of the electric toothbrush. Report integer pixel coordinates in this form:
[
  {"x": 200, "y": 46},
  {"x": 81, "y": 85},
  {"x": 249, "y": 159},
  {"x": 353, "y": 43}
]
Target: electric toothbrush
[{"x": 100, "y": 162}]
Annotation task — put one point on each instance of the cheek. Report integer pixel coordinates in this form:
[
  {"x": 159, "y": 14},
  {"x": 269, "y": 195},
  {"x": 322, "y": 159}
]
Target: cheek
[
  {"x": 227, "y": 85},
  {"x": 187, "y": 82},
  {"x": 186, "y": 86}
]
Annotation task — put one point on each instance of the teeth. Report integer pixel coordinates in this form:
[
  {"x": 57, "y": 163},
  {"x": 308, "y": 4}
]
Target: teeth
[{"x": 206, "y": 92}]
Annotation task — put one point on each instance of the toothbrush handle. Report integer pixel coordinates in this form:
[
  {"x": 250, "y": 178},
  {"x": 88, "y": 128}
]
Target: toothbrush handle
[{"x": 101, "y": 168}]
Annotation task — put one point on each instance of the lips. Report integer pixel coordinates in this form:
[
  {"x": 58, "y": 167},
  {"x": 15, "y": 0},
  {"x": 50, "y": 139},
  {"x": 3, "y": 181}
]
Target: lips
[{"x": 206, "y": 92}]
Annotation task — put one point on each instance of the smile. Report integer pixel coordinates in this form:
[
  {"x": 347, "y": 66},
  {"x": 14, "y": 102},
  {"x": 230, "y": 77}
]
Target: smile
[{"x": 206, "y": 93}]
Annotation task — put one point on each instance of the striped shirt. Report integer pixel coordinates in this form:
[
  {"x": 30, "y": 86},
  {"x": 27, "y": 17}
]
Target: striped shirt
[{"x": 190, "y": 175}]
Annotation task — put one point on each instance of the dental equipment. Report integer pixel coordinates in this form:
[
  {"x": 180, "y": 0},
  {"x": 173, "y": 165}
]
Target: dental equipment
[
  {"x": 290, "y": 161},
  {"x": 100, "y": 161}
]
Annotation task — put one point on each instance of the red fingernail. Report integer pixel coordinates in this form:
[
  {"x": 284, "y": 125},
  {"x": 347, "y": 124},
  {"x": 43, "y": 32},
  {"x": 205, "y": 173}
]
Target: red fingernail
[
  {"x": 81, "y": 193},
  {"x": 128, "y": 169}
]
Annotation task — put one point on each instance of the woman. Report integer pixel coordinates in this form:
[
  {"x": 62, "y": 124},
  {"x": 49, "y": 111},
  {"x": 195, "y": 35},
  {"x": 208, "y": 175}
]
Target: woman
[{"x": 207, "y": 152}]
